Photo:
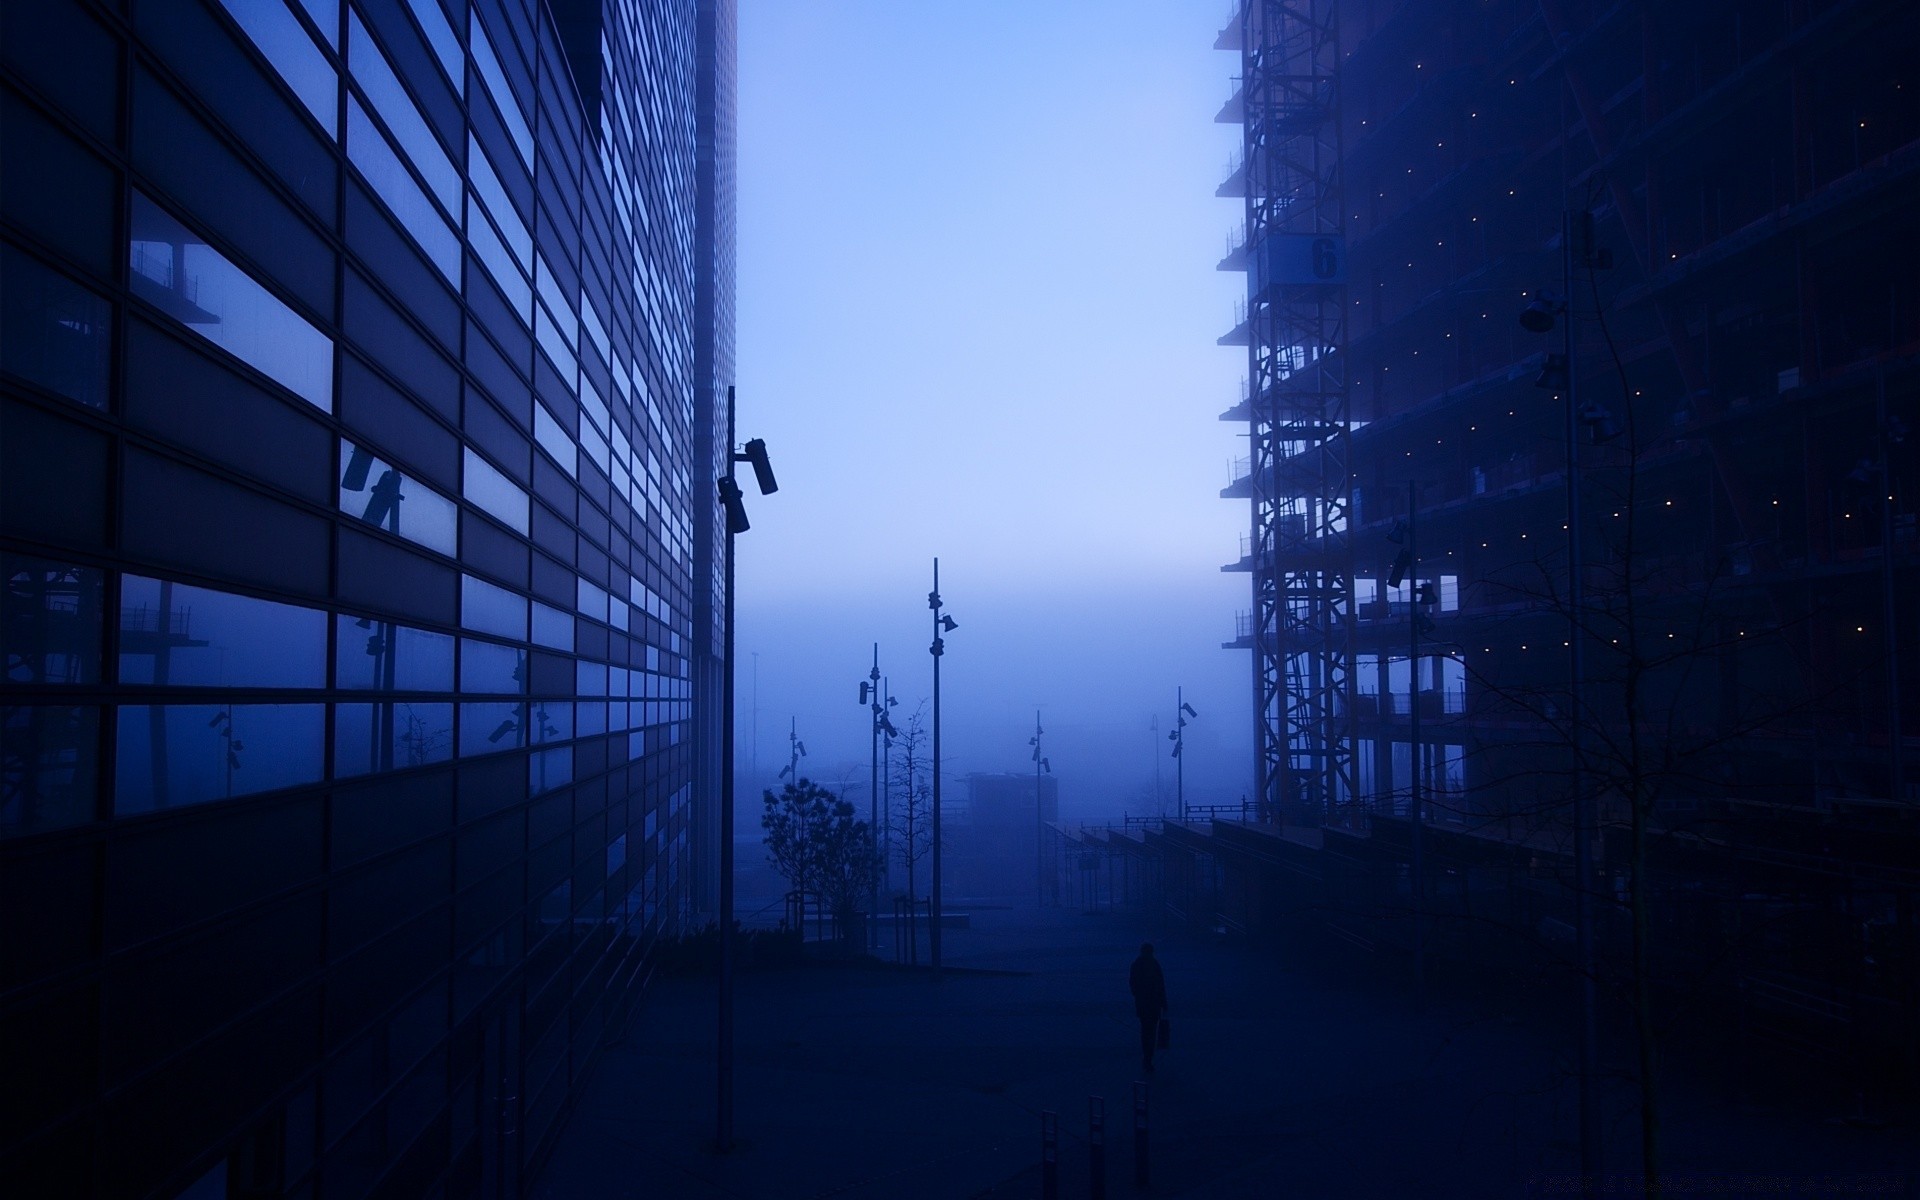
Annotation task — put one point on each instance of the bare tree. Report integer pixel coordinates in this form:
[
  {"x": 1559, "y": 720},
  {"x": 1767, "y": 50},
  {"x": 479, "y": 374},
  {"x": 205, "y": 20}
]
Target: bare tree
[{"x": 911, "y": 785}]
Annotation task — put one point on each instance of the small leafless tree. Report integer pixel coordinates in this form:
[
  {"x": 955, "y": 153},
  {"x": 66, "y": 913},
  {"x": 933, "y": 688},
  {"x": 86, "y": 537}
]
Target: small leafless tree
[{"x": 911, "y": 799}]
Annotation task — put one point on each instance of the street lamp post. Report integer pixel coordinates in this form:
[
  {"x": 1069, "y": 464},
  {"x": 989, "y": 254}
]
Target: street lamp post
[
  {"x": 942, "y": 624},
  {"x": 1040, "y": 764},
  {"x": 755, "y": 452},
  {"x": 870, "y": 695},
  {"x": 1538, "y": 317},
  {"x": 1418, "y": 594},
  {"x": 1178, "y": 736}
]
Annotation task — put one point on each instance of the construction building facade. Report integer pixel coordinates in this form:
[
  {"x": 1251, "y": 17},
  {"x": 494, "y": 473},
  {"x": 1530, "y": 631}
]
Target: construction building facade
[
  {"x": 1662, "y": 253},
  {"x": 360, "y": 376}
]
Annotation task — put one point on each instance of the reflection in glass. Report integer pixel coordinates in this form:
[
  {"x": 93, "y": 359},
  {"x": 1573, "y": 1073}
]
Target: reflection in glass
[
  {"x": 389, "y": 98},
  {"x": 591, "y": 717},
  {"x": 49, "y": 760},
  {"x": 496, "y": 83},
  {"x": 491, "y": 609},
  {"x": 590, "y": 678},
  {"x": 493, "y": 256},
  {"x": 495, "y": 494},
  {"x": 566, "y": 324},
  {"x": 179, "y": 754},
  {"x": 370, "y": 152},
  {"x": 550, "y": 721},
  {"x": 53, "y": 332},
  {"x": 184, "y": 636},
  {"x": 440, "y": 35},
  {"x": 548, "y": 335},
  {"x": 50, "y": 620},
  {"x": 382, "y": 656},
  {"x": 387, "y": 737},
  {"x": 495, "y": 202},
  {"x": 192, "y": 283},
  {"x": 591, "y": 599},
  {"x": 552, "y": 628},
  {"x": 489, "y": 727},
  {"x": 548, "y": 769},
  {"x": 326, "y": 15},
  {"x": 553, "y": 438},
  {"x": 278, "y": 34},
  {"x": 490, "y": 667},
  {"x": 373, "y": 491}
]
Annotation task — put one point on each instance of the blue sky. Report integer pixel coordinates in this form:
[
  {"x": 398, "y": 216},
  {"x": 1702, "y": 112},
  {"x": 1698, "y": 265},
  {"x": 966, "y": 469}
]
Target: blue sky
[{"x": 977, "y": 314}]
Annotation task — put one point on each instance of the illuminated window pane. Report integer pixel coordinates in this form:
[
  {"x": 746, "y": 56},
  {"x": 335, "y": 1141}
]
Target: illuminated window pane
[
  {"x": 180, "y": 754},
  {"x": 486, "y": 488},
  {"x": 380, "y": 495},
  {"x": 194, "y": 284},
  {"x": 280, "y": 37},
  {"x": 377, "y": 655},
  {"x": 177, "y": 635}
]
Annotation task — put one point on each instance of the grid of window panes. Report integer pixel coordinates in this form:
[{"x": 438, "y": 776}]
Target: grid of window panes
[{"x": 346, "y": 358}]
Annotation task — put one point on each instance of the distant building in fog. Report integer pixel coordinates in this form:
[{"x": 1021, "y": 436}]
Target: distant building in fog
[
  {"x": 363, "y": 390},
  {"x": 993, "y": 844}
]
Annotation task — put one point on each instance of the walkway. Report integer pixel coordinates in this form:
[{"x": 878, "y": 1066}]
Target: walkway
[{"x": 1283, "y": 1081}]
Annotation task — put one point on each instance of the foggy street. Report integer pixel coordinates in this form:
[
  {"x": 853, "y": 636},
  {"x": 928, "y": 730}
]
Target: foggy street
[{"x": 1312, "y": 1079}]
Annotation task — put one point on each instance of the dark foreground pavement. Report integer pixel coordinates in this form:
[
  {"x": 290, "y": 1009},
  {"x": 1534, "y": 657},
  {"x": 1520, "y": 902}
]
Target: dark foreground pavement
[{"x": 1286, "y": 1079}]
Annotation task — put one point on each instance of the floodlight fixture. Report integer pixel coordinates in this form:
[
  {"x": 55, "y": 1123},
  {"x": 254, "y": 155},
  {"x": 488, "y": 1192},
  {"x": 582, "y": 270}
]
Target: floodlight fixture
[
  {"x": 359, "y": 463},
  {"x": 755, "y": 452},
  {"x": 1541, "y": 313},
  {"x": 1187, "y": 709},
  {"x": 1402, "y": 563},
  {"x": 1423, "y": 624},
  {"x": 736, "y": 511},
  {"x": 1424, "y": 594},
  {"x": 1046, "y": 764},
  {"x": 865, "y": 688},
  {"x": 1553, "y": 375},
  {"x": 1601, "y": 427},
  {"x": 1398, "y": 534},
  {"x": 948, "y": 624}
]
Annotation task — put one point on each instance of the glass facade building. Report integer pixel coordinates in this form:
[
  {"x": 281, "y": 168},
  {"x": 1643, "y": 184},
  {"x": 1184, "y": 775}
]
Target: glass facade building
[{"x": 363, "y": 380}]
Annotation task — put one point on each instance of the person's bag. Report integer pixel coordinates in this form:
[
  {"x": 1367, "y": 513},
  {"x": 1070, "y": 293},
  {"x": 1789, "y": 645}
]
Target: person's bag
[{"x": 1166, "y": 1032}]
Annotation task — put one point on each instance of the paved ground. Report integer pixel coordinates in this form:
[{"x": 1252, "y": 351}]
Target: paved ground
[{"x": 1308, "y": 1078}]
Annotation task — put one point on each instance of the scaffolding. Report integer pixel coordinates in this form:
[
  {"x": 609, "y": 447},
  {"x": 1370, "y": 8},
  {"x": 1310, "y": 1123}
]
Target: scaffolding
[{"x": 1297, "y": 477}]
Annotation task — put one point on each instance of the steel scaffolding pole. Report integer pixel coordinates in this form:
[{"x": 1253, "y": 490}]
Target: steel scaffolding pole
[{"x": 1299, "y": 411}]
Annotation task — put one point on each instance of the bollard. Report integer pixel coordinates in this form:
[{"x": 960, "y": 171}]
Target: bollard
[
  {"x": 1050, "y": 1156},
  {"x": 1140, "y": 1135},
  {"x": 1096, "y": 1148}
]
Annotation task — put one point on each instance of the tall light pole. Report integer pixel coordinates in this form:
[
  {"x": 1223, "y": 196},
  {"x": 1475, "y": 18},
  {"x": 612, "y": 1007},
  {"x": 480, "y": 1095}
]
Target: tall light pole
[
  {"x": 1040, "y": 764},
  {"x": 1539, "y": 317},
  {"x": 796, "y": 750},
  {"x": 1418, "y": 594},
  {"x": 1178, "y": 736},
  {"x": 870, "y": 695},
  {"x": 754, "y": 452},
  {"x": 942, "y": 624}
]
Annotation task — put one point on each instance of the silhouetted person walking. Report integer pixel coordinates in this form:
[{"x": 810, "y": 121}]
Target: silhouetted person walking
[{"x": 1149, "y": 988}]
